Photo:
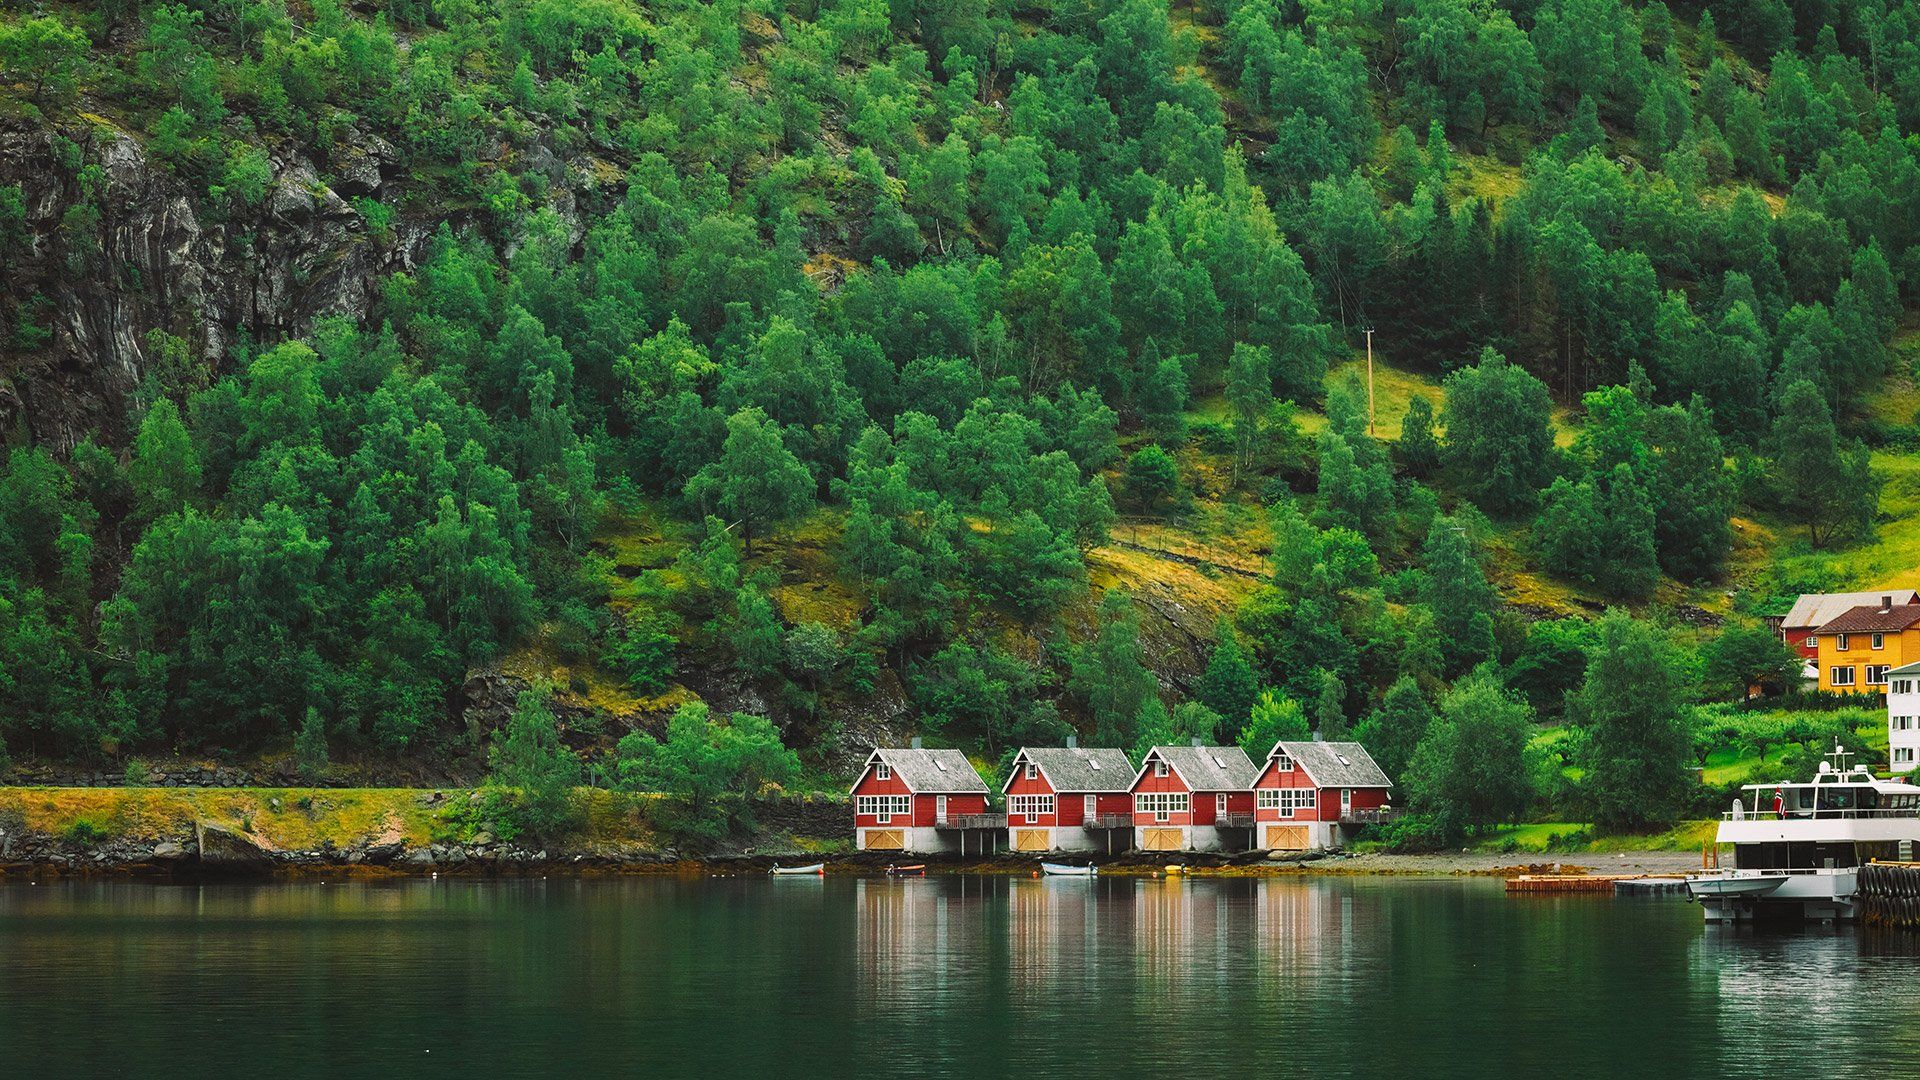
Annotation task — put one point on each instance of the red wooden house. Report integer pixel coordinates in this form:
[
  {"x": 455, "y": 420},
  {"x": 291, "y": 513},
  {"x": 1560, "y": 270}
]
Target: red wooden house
[
  {"x": 1194, "y": 798},
  {"x": 1065, "y": 798},
  {"x": 1313, "y": 795},
  {"x": 923, "y": 801}
]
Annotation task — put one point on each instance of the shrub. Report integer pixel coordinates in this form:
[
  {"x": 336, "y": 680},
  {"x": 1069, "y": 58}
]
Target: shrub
[
  {"x": 529, "y": 761},
  {"x": 84, "y": 831}
]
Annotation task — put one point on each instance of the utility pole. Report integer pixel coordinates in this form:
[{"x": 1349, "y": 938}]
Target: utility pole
[{"x": 1369, "y": 333}]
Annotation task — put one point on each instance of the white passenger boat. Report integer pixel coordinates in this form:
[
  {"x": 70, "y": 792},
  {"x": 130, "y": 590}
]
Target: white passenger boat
[
  {"x": 1796, "y": 849},
  {"x": 1063, "y": 870}
]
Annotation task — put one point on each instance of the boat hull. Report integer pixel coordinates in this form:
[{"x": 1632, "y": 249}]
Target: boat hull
[
  {"x": 1819, "y": 895},
  {"x": 1062, "y": 870}
]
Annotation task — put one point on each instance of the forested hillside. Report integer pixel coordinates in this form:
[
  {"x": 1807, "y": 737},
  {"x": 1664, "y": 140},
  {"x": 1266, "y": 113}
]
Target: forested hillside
[{"x": 978, "y": 371}]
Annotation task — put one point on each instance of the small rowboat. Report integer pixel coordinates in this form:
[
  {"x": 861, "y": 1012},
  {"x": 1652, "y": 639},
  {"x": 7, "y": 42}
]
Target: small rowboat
[
  {"x": 810, "y": 869},
  {"x": 1053, "y": 869},
  {"x": 916, "y": 870}
]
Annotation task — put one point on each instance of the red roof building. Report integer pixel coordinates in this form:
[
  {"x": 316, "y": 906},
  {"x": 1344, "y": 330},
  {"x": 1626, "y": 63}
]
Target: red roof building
[
  {"x": 1065, "y": 798},
  {"x": 923, "y": 801},
  {"x": 1315, "y": 795},
  {"x": 1194, "y": 798}
]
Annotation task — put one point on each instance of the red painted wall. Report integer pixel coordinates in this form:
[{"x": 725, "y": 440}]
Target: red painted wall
[
  {"x": 1170, "y": 782},
  {"x": 1798, "y": 636},
  {"x": 1271, "y": 777},
  {"x": 925, "y": 807},
  {"x": 1038, "y": 786}
]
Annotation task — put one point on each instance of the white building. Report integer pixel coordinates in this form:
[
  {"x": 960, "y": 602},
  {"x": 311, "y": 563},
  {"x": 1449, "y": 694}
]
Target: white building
[{"x": 1903, "y": 718}]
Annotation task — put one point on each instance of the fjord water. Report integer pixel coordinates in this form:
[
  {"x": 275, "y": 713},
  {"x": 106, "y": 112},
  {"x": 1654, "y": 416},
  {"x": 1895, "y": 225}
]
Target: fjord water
[{"x": 955, "y": 976}]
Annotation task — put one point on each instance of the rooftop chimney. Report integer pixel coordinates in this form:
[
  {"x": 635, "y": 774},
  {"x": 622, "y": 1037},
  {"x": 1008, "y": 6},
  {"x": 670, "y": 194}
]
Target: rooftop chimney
[
  {"x": 1197, "y": 742},
  {"x": 1073, "y": 742},
  {"x": 1317, "y": 737},
  {"x": 1886, "y": 603},
  {"x": 916, "y": 742}
]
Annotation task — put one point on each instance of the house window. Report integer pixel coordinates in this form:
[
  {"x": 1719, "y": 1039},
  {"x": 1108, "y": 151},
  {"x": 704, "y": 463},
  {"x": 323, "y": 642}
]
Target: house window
[
  {"x": 1161, "y": 804},
  {"x": 883, "y": 807},
  {"x": 1283, "y": 763},
  {"x": 1032, "y": 770},
  {"x": 1285, "y": 800},
  {"x": 1812, "y": 642},
  {"x": 882, "y": 772},
  {"x": 1876, "y": 674},
  {"x": 1159, "y": 768},
  {"x": 1267, "y": 798},
  {"x": 1842, "y": 675},
  {"x": 1840, "y": 642},
  {"x": 1900, "y": 723},
  {"x": 1879, "y": 641},
  {"x": 1903, "y": 686},
  {"x": 1030, "y": 807},
  {"x": 1903, "y": 755}
]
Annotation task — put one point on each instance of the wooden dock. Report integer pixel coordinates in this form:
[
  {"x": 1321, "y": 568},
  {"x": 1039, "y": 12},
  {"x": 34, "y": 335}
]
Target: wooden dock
[{"x": 1616, "y": 884}]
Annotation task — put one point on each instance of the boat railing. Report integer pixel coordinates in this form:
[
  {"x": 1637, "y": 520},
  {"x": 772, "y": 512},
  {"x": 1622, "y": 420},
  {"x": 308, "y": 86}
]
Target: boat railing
[{"x": 1854, "y": 813}]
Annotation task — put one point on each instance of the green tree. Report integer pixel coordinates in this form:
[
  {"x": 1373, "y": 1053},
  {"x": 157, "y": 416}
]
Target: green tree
[
  {"x": 1393, "y": 731},
  {"x": 310, "y": 747},
  {"x": 1153, "y": 480},
  {"x": 1637, "y": 747},
  {"x": 707, "y": 770},
  {"x": 1828, "y": 487},
  {"x": 1498, "y": 440},
  {"x": 1250, "y": 396},
  {"x": 1469, "y": 770},
  {"x": 1229, "y": 686},
  {"x": 757, "y": 481},
  {"x": 165, "y": 470},
  {"x": 529, "y": 760},
  {"x": 1419, "y": 450},
  {"x": 1745, "y": 657},
  {"x": 1110, "y": 673},
  {"x": 1457, "y": 593},
  {"x": 1274, "y": 718}
]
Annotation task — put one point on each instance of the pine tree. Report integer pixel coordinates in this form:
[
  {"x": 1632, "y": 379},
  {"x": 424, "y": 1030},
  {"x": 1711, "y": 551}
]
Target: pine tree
[
  {"x": 1826, "y": 487},
  {"x": 1229, "y": 686},
  {"x": 1637, "y": 746},
  {"x": 310, "y": 746},
  {"x": 1419, "y": 450},
  {"x": 1391, "y": 732}
]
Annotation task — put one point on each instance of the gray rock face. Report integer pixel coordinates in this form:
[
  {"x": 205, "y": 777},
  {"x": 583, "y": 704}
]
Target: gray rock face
[
  {"x": 149, "y": 258},
  {"x": 168, "y": 851},
  {"x": 222, "y": 848}
]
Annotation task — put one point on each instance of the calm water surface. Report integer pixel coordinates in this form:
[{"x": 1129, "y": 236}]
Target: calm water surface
[{"x": 963, "y": 977}]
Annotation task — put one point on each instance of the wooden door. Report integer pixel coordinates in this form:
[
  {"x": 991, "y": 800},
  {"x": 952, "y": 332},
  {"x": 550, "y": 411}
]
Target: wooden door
[
  {"x": 1031, "y": 840},
  {"x": 1287, "y": 838},
  {"x": 1161, "y": 839},
  {"x": 886, "y": 840}
]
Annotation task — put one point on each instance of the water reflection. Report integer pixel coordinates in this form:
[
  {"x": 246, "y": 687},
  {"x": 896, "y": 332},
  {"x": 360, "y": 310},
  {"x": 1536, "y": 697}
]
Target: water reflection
[{"x": 952, "y": 976}]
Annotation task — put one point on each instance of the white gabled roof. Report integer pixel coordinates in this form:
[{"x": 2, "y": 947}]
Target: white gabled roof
[
  {"x": 932, "y": 772},
  {"x": 1076, "y": 769},
  {"x": 1204, "y": 768},
  {"x": 1333, "y": 764}
]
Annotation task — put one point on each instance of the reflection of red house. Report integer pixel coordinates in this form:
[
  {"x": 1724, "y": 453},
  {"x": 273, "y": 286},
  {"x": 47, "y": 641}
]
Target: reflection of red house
[
  {"x": 1312, "y": 795},
  {"x": 1063, "y": 798},
  {"x": 920, "y": 800},
  {"x": 1193, "y": 798},
  {"x": 1814, "y": 610}
]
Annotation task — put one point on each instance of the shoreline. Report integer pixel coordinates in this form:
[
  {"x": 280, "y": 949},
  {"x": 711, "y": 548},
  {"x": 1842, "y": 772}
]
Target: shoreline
[{"x": 186, "y": 866}]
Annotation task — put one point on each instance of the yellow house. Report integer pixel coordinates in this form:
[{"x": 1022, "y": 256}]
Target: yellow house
[{"x": 1859, "y": 646}]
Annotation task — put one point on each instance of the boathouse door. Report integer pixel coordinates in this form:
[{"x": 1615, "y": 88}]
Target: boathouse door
[{"x": 1091, "y": 808}]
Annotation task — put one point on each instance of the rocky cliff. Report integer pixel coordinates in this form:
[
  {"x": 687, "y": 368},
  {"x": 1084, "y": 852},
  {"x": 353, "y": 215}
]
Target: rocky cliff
[{"x": 115, "y": 245}]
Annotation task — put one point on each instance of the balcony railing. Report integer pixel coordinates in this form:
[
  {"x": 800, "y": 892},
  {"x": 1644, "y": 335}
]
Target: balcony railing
[
  {"x": 1368, "y": 817},
  {"x": 971, "y": 821},
  {"x": 1233, "y": 821},
  {"x": 1109, "y": 821}
]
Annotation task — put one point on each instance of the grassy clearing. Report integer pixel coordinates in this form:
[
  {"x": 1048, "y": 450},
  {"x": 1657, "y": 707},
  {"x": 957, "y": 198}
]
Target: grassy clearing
[
  {"x": 1574, "y": 837},
  {"x": 293, "y": 819}
]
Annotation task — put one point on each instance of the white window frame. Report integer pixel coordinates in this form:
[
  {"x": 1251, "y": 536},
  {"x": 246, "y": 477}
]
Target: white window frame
[
  {"x": 1346, "y": 801},
  {"x": 1159, "y": 768},
  {"x": 1902, "y": 755},
  {"x": 1033, "y": 771},
  {"x": 1287, "y": 800},
  {"x": 1841, "y": 675},
  {"x": 1283, "y": 762},
  {"x": 1879, "y": 670},
  {"x": 1813, "y": 641},
  {"x": 882, "y": 808},
  {"x": 1220, "y": 804},
  {"x": 1030, "y": 807},
  {"x": 1879, "y": 641},
  {"x": 1091, "y": 807},
  {"x": 1840, "y": 642},
  {"x": 1266, "y": 798},
  {"x": 882, "y": 772},
  {"x": 1161, "y": 804}
]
